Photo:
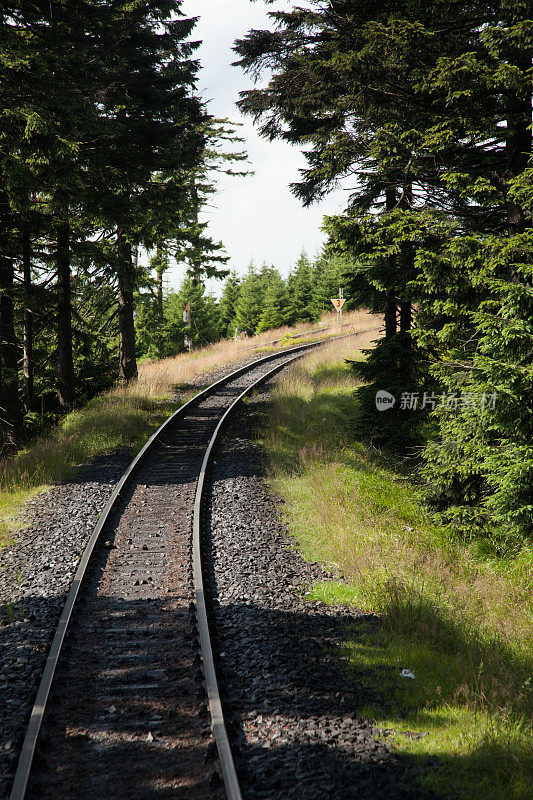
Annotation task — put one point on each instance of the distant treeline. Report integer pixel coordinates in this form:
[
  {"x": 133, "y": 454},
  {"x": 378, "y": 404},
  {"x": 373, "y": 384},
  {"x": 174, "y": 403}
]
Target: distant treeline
[{"x": 257, "y": 302}]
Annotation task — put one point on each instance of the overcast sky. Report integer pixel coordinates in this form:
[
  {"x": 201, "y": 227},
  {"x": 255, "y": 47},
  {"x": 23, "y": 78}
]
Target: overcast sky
[{"x": 256, "y": 216}]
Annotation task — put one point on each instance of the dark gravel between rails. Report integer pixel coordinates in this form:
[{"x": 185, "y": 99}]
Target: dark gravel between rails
[
  {"x": 35, "y": 574},
  {"x": 291, "y": 708}
]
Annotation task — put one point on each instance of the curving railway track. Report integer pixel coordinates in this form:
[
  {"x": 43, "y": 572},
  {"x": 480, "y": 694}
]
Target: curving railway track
[{"x": 128, "y": 704}]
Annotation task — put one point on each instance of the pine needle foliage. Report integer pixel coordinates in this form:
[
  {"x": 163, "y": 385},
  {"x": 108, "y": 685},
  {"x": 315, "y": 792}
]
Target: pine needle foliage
[{"x": 424, "y": 111}]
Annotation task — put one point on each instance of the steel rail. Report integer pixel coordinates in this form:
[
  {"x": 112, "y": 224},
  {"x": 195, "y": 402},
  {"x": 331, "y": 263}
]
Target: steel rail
[
  {"x": 305, "y": 333},
  {"x": 29, "y": 746},
  {"x": 229, "y": 773}
]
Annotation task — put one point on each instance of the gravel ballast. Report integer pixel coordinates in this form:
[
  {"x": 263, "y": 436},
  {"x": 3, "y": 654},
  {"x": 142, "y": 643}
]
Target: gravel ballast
[
  {"x": 36, "y": 572},
  {"x": 292, "y": 708}
]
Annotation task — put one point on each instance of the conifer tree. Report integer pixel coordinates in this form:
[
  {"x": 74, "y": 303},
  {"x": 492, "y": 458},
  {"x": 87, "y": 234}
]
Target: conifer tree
[
  {"x": 205, "y": 323},
  {"x": 277, "y": 309},
  {"x": 300, "y": 288},
  {"x": 101, "y": 132},
  {"x": 203, "y": 257},
  {"x": 428, "y": 107},
  {"x": 228, "y": 304},
  {"x": 329, "y": 274},
  {"x": 149, "y": 308},
  {"x": 250, "y": 303},
  {"x": 155, "y": 126}
]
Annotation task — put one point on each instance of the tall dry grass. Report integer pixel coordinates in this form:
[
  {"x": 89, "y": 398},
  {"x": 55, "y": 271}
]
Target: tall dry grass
[
  {"x": 159, "y": 377},
  {"x": 126, "y": 416}
]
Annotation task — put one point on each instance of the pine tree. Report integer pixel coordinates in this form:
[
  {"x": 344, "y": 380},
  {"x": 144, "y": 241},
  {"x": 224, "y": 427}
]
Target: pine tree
[
  {"x": 156, "y": 139},
  {"x": 228, "y": 304},
  {"x": 205, "y": 321},
  {"x": 203, "y": 257},
  {"x": 328, "y": 275},
  {"x": 250, "y": 303},
  {"x": 300, "y": 287},
  {"x": 277, "y": 306},
  {"x": 149, "y": 308},
  {"x": 37, "y": 149},
  {"x": 428, "y": 106},
  {"x": 101, "y": 132},
  {"x": 349, "y": 117}
]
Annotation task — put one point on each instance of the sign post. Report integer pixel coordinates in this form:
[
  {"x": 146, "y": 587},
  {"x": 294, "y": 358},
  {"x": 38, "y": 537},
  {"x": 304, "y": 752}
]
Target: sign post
[
  {"x": 338, "y": 303},
  {"x": 187, "y": 320}
]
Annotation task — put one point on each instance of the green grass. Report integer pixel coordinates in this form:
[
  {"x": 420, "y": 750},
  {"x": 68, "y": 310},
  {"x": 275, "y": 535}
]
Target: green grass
[{"x": 456, "y": 615}]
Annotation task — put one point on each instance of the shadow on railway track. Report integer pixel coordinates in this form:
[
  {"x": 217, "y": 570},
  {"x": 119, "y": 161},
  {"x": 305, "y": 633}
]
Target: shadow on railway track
[
  {"x": 295, "y": 712},
  {"x": 127, "y": 715}
]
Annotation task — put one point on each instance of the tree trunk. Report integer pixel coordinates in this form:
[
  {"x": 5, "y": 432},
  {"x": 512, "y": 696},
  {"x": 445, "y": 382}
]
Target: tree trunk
[
  {"x": 196, "y": 263},
  {"x": 126, "y": 282},
  {"x": 518, "y": 144},
  {"x": 65, "y": 364},
  {"x": 159, "y": 296},
  {"x": 390, "y": 315},
  {"x": 406, "y": 316},
  {"x": 10, "y": 403},
  {"x": 160, "y": 317},
  {"x": 390, "y": 299},
  {"x": 27, "y": 344}
]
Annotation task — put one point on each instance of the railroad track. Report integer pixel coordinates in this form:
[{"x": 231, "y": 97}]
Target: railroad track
[{"x": 128, "y": 704}]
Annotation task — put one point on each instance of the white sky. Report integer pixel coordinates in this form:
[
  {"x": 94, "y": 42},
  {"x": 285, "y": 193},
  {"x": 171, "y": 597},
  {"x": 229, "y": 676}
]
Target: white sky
[{"x": 256, "y": 216}]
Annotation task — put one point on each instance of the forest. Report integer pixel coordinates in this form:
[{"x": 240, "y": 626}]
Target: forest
[
  {"x": 254, "y": 303},
  {"x": 423, "y": 110},
  {"x": 99, "y": 165},
  {"x": 106, "y": 149}
]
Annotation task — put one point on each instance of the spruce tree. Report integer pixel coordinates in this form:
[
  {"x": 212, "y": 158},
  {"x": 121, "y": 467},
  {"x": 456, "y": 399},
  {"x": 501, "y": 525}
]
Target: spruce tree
[
  {"x": 228, "y": 304},
  {"x": 155, "y": 133},
  {"x": 328, "y": 275},
  {"x": 250, "y": 303},
  {"x": 203, "y": 257},
  {"x": 101, "y": 131},
  {"x": 205, "y": 322},
  {"x": 277, "y": 307},
  {"x": 428, "y": 106},
  {"x": 300, "y": 286}
]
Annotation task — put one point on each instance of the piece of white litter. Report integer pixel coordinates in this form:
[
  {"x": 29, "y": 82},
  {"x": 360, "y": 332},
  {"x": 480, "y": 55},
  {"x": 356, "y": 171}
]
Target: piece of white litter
[{"x": 406, "y": 673}]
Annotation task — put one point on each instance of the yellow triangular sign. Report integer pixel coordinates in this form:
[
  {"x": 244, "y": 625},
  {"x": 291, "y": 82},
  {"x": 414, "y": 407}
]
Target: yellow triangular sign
[{"x": 338, "y": 302}]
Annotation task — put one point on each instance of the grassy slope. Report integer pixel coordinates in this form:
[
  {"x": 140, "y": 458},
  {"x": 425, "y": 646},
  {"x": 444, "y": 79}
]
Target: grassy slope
[
  {"x": 126, "y": 417},
  {"x": 456, "y": 616}
]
